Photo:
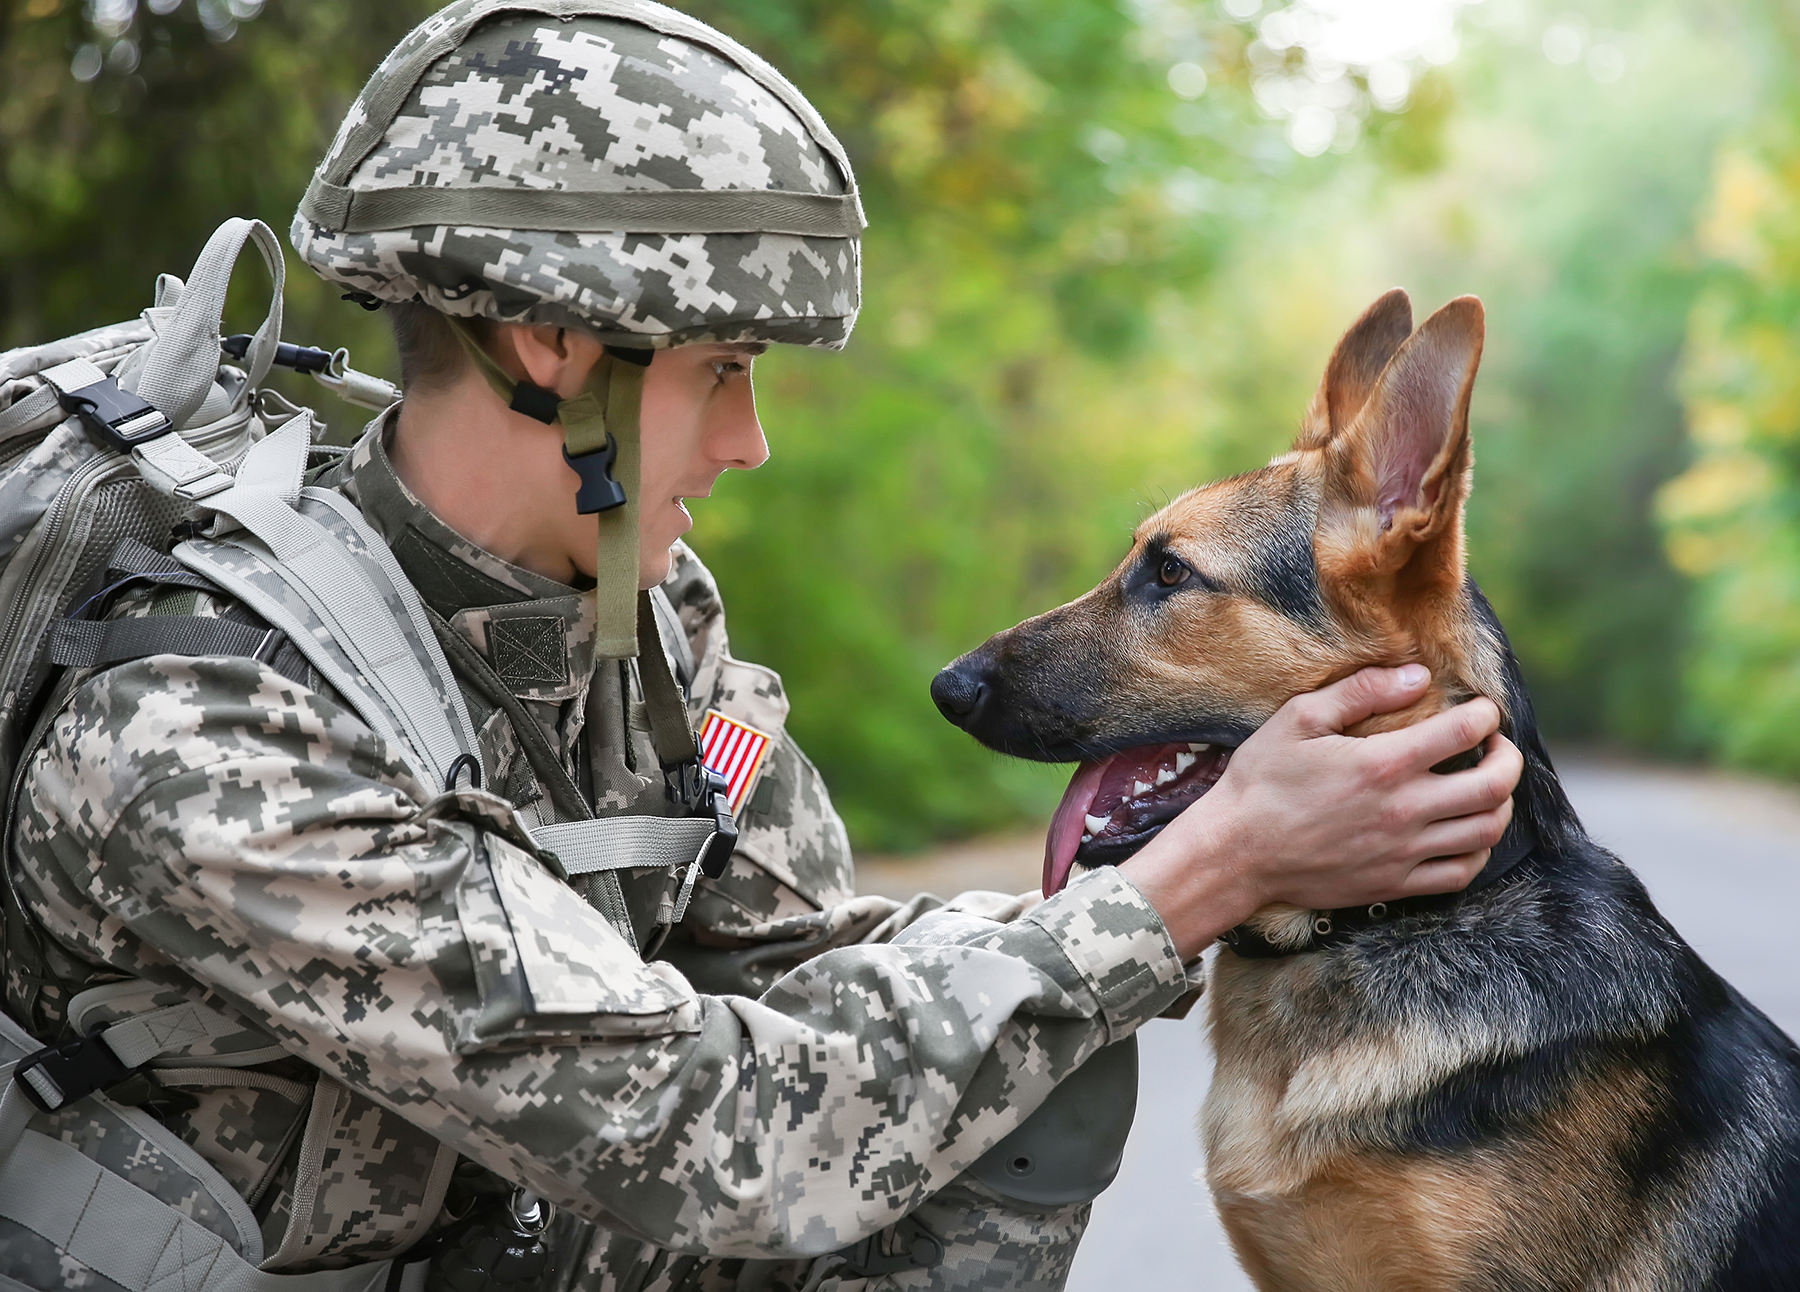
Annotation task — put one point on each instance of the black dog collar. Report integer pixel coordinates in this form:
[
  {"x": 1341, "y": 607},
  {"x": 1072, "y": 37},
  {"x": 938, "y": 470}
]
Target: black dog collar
[{"x": 1334, "y": 928}]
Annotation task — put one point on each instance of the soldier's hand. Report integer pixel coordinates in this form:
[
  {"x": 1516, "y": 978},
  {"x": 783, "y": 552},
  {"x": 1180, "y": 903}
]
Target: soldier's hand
[{"x": 1307, "y": 815}]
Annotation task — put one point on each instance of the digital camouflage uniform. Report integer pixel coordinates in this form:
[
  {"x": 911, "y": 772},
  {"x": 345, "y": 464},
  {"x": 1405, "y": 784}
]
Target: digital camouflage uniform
[
  {"x": 794, "y": 1068},
  {"x": 211, "y": 826}
]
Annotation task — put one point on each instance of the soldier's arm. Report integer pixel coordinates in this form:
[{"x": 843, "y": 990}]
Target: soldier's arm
[{"x": 209, "y": 821}]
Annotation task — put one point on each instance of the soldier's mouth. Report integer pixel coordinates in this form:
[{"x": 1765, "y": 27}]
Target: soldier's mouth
[{"x": 1116, "y": 805}]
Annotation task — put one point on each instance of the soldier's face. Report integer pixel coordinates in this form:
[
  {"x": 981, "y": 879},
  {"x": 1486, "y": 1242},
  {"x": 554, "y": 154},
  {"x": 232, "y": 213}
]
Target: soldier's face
[{"x": 698, "y": 421}]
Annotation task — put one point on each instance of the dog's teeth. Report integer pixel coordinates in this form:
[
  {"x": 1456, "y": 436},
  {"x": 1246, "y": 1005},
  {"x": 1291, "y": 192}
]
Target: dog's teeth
[
  {"x": 1139, "y": 788},
  {"x": 1183, "y": 762},
  {"x": 1087, "y": 838},
  {"x": 1166, "y": 774},
  {"x": 1198, "y": 749},
  {"x": 1095, "y": 825}
]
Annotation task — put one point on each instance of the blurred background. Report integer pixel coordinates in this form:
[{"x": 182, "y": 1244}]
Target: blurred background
[{"x": 1111, "y": 243}]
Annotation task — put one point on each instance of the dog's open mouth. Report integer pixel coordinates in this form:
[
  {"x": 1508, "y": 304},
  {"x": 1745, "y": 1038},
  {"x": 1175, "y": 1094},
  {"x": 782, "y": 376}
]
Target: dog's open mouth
[{"x": 1116, "y": 805}]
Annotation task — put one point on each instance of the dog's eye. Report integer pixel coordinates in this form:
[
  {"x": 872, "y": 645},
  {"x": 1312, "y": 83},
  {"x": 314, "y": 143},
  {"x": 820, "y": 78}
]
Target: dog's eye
[{"x": 1173, "y": 573}]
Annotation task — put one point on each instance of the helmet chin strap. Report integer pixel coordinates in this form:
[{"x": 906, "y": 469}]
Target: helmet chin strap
[{"x": 601, "y": 445}]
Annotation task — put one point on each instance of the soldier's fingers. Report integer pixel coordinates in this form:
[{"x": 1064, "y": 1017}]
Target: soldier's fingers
[
  {"x": 1454, "y": 731},
  {"x": 1474, "y": 833},
  {"x": 1444, "y": 874},
  {"x": 1481, "y": 788},
  {"x": 1369, "y": 691}
]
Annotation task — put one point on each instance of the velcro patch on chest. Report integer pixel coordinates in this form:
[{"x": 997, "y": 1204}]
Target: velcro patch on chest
[{"x": 736, "y": 751}]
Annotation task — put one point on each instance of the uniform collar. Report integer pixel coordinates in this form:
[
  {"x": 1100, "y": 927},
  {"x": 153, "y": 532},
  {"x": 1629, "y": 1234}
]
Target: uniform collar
[{"x": 536, "y": 633}]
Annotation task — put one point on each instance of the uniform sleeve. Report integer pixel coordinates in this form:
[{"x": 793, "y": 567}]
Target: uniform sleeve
[{"x": 210, "y": 822}]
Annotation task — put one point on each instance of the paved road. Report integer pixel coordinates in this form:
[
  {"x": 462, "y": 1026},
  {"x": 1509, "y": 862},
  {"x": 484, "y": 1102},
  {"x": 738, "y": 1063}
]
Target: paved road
[{"x": 1720, "y": 854}]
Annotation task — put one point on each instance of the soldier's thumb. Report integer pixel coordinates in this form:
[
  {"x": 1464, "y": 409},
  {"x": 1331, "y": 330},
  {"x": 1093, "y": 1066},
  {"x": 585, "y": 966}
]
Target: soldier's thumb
[{"x": 1361, "y": 695}]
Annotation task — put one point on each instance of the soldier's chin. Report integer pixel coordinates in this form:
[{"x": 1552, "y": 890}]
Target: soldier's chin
[{"x": 655, "y": 564}]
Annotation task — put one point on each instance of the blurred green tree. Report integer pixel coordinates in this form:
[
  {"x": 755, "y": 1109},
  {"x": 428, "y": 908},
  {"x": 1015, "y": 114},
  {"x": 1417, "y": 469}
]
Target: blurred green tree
[
  {"x": 128, "y": 131},
  {"x": 1111, "y": 242},
  {"x": 1734, "y": 516}
]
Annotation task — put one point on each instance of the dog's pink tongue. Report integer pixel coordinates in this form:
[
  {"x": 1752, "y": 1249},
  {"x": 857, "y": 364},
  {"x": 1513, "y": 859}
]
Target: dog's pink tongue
[{"x": 1067, "y": 825}]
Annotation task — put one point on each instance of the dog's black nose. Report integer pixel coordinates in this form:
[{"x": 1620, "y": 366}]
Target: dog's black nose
[{"x": 959, "y": 693}]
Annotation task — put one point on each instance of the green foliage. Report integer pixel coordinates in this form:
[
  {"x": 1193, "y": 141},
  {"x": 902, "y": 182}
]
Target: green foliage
[
  {"x": 1583, "y": 255},
  {"x": 1085, "y": 293},
  {"x": 1734, "y": 516}
]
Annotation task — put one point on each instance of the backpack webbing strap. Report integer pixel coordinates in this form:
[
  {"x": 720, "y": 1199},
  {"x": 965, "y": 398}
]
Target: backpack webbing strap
[
  {"x": 671, "y": 729},
  {"x": 82, "y": 643},
  {"x": 102, "y": 1221},
  {"x": 132, "y": 556},
  {"x": 698, "y": 788},
  {"x": 625, "y": 842}
]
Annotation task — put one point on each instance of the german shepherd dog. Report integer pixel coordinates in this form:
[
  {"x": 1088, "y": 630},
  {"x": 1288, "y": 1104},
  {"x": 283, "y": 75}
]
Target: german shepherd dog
[{"x": 1535, "y": 1084}]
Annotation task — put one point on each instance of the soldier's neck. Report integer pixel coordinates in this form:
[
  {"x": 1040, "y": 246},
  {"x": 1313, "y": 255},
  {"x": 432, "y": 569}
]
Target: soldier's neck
[{"x": 494, "y": 476}]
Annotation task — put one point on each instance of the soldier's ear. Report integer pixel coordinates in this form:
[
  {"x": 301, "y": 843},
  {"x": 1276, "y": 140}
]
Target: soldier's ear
[{"x": 555, "y": 358}]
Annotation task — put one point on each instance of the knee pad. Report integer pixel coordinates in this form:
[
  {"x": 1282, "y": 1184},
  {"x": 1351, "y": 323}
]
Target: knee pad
[{"x": 1069, "y": 1150}]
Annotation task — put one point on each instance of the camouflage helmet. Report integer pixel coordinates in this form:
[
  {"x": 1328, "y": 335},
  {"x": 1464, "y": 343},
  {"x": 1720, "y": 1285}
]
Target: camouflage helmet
[{"x": 612, "y": 165}]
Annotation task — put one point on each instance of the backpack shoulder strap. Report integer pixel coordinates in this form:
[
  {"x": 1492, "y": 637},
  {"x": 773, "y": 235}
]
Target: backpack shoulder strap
[{"x": 311, "y": 566}]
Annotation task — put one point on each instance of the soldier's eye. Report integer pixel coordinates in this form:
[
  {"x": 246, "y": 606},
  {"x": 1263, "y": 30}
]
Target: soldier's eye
[{"x": 1173, "y": 573}]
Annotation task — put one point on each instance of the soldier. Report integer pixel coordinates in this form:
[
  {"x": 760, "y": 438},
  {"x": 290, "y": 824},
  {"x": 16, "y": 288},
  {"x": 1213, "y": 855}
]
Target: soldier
[{"x": 585, "y": 214}]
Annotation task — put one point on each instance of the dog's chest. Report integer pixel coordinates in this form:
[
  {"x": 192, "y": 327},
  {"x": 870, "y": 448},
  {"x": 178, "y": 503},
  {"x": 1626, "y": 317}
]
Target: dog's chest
[{"x": 1304, "y": 1205}]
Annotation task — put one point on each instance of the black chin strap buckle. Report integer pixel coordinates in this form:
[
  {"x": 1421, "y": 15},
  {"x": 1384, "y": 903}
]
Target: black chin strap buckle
[{"x": 599, "y": 491}]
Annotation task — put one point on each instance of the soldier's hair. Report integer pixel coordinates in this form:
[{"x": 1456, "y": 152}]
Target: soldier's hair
[{"x": 430, "y": 355}]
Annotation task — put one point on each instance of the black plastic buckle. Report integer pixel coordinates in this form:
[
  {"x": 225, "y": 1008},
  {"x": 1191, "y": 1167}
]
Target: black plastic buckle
[
  {"x": 115, "y": 414},
  {"x": 76, "y": 1068},
  {"x": 920, "y": 1249},
  {"x": 599, "y": 491},
  {"x": 701, "y": 790},
  {"x": 725, "y": 831}
]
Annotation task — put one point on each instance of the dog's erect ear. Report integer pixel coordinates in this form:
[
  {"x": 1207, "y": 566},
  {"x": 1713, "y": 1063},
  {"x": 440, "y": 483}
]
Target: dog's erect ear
[
  {"x": 1402, "y": 463},
  {"x": 1355, "y": 366}
]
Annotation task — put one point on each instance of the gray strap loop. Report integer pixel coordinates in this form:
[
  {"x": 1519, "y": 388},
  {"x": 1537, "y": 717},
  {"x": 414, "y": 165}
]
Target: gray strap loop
[
  {"x": 132, "y": 556},
  {"x": 80, "y": 643},
  {"x": 625, "y": 842},
  {"x": 183, "y": 360},
  {"x": 174, "y": 467},
  {"x": 574, "y": 210},
  {"x": 144, "y": 1037}
]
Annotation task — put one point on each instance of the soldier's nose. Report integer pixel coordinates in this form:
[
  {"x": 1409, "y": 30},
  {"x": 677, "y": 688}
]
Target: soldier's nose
[{"x": 960, "y": 692}]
